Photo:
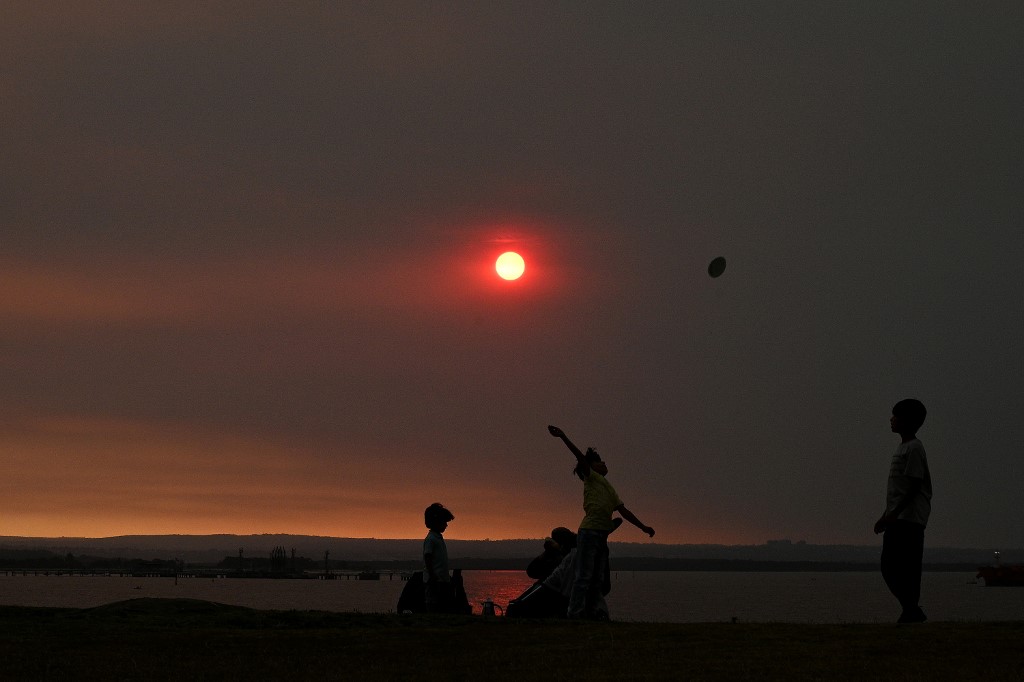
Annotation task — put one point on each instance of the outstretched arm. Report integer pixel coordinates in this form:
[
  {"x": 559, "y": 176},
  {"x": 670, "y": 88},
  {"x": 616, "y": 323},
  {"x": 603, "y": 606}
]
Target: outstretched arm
[
  {"x": 559, "y": 433},
  {"x": 629, "y": 516}
]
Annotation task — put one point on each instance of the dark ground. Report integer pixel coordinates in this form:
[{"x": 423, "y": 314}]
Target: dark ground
[{"x": 170, "y": 639}]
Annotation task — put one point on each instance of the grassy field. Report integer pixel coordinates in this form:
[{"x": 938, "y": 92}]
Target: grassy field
[{"x": 184, "y": 640}]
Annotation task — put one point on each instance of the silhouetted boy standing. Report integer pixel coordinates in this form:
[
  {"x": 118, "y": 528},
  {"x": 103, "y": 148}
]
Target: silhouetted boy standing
[
  {"x": 599, "y": 501},
  {"x": 438, "y": 590},
  {"x": 907, "y": 507}
]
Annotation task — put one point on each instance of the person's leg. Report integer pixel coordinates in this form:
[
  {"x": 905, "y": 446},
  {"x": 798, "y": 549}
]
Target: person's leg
[
  {"x": 439, "y": 597},
  {"x": 606, "y": 581},
  {"x": 890, "y": 560},
  {"x": 587, "y": 549},
  {"x": 914, "y": 557},
  {"x": 596, "y": 588},
  {"x": 432, "y": 597},
  {"x": 902, "y": 553}
]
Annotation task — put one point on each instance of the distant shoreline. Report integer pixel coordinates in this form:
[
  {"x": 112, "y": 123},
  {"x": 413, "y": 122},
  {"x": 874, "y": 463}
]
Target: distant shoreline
[
  {"x": 258, "y": 552},
  {"x": 618, "y": 564}
]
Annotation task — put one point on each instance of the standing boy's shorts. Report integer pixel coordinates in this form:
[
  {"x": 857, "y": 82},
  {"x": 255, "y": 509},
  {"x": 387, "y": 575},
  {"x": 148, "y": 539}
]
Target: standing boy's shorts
[{"x": 438, "y": 596}]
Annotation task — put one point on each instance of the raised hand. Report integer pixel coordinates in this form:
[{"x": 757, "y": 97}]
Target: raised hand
[{"x": 556, "y": 432}]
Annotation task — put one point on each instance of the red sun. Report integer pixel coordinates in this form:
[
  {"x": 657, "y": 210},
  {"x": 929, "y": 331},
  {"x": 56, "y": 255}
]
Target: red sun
[{"x": 510, "y": 265}]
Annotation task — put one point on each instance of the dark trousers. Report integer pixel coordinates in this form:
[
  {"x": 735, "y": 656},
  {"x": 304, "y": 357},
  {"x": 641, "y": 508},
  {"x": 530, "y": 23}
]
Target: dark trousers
[
  {"x": 591, "y": 566},
  {"x": 902, "y": 552},
  {"x": 438, "y": 597}
]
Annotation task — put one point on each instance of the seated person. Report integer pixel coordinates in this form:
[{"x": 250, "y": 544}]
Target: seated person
[
  {"x": 549, "y": 596},
  {"x": 556, "y": 547}
]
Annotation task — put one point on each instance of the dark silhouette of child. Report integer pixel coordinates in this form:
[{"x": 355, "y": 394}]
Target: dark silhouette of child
[
  {"x": 599, "y": 501},
  {"x": 439, "y": 593},
  {"x": 907, "y": 507}
]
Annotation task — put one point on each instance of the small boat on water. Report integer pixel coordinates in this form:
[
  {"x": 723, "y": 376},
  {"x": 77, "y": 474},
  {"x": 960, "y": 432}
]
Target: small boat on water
[
  {"x": 1010, "y": 575},
  {"x": 1002, "y": 576}
]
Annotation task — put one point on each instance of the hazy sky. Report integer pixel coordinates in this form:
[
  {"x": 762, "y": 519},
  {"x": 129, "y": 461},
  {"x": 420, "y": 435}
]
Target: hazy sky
[{"x": 247, "y": 284}]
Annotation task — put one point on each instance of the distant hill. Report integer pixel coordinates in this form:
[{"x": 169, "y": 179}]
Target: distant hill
[{"x": 209, "y": 549}]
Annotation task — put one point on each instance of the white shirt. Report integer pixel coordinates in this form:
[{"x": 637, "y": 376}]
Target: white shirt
[
  {"x": 434, "y": 545},
  {"x": 910, "y": 464}
]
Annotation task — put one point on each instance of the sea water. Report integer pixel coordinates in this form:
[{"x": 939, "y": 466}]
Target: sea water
[{"x": 655, "y": 596}]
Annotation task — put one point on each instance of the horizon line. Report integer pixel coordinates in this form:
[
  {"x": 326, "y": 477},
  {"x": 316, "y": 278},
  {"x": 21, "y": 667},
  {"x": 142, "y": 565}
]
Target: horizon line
[{"x": 767, "y": 543}]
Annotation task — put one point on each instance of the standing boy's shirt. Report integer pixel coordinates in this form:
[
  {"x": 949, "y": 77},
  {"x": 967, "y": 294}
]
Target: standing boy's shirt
[
  {"x": 599, "y": 501},
  {"x": 910, "y": 463},
  {"x": 434, "y": 545}
]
